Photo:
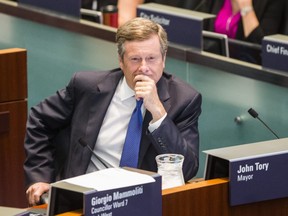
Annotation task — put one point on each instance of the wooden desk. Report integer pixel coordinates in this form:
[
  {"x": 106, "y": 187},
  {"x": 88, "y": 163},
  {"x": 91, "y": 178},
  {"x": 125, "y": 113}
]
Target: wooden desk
[
  {"x": 13, "y": 115},
  {"x": 209, "y": 198},
  {"x": 197, "y": 199}
]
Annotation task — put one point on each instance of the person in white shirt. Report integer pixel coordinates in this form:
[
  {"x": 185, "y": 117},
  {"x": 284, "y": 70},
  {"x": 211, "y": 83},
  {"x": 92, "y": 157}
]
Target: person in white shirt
[{"x": 82, "y": 127}]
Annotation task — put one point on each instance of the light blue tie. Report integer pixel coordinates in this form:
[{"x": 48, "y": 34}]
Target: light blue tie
[{"x": 131, "y": 147}]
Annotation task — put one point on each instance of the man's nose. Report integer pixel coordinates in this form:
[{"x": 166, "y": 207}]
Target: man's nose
[{"x": 143, "y": 66}]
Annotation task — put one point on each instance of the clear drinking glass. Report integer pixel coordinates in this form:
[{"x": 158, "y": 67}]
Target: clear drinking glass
[{"x": 170, "y": 168}]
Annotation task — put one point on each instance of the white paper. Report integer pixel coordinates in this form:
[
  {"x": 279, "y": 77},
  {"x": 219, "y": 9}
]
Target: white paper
[{"x": 110, "y": 178}]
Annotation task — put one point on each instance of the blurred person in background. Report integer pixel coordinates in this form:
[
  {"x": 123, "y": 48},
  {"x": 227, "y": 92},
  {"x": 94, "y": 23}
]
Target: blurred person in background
[{"x": 246, "y": 20}]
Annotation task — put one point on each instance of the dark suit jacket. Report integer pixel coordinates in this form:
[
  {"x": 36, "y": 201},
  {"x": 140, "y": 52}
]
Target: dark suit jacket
[
  {"x": 55, "y": 126},
  {"x": 270, "y": 14}
]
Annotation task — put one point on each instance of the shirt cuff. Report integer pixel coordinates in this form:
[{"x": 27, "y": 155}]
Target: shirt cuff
[{"x": 153, "y": 126}]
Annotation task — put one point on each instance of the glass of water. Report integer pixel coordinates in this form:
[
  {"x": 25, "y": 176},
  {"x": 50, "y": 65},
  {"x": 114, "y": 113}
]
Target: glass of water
[{"x": 170, "y": 168}]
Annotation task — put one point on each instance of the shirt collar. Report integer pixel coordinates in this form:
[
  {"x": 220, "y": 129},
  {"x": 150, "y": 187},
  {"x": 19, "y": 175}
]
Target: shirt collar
[{"x": 125, "y": 92}]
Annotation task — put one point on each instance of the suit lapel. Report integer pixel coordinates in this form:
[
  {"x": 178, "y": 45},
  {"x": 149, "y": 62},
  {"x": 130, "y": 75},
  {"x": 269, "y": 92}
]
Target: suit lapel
[{"x": 99, "y": 102}]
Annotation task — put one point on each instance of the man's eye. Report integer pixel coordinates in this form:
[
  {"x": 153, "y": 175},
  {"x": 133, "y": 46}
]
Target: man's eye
[
  {"x": 134, "y": 59},
  {"x": 151, "y": 59}
]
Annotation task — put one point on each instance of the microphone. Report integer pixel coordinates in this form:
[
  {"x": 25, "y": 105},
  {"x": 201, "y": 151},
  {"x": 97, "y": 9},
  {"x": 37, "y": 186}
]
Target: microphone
[
  {"x": 254, "y": 114},
  {"x": 85, "y": 145}
]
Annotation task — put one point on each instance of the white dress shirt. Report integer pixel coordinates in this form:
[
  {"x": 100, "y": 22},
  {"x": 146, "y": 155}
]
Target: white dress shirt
[{"x": 112, "y": 134}]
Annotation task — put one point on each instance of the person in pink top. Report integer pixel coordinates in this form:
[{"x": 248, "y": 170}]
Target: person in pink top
[
  {"x": 227, "y": 20},
  {"x": 247, "y": 20}
]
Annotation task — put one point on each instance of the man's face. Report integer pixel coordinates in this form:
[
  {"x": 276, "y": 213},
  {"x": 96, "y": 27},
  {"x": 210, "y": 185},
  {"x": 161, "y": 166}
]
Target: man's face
[{"x": 142, "y": 57}]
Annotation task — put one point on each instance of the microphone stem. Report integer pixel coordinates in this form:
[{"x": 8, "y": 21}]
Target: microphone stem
[
  {"x": 84, "y": 144},
  {"x": 98, "y": 158},
  {"x": 268, "y": 127}
]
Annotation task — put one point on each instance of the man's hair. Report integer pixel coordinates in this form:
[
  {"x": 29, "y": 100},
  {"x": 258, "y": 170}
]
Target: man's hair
[{"x": 140, "y": 29}]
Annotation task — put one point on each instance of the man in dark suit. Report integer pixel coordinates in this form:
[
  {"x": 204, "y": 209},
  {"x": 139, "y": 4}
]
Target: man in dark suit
[{"x": 82, "y": 128}]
